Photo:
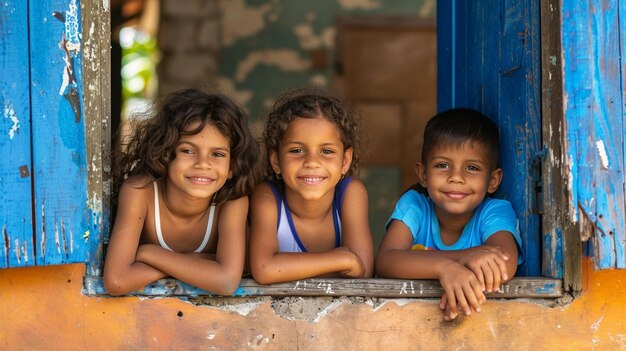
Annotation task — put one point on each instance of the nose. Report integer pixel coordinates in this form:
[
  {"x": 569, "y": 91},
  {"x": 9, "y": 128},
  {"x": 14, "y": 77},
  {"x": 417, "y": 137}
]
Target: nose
[
  {"x": 311, "y": 160},
  {"x": 456, "y": 175},
  {"x": 203, "y": 161}
]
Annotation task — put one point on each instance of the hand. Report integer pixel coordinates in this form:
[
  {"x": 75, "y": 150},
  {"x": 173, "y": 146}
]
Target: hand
[
  {"x": 356, "y": 267},
  {"x": 488, "y": 264},
  {"x": 462, "y": 291}
]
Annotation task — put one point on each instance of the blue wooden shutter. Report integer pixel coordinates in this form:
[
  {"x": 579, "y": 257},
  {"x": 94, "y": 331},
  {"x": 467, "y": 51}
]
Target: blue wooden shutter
[
  {"x": 488, "y": 59},
  {"x": 43, "y": 171},
  {"x": 593, "y": 42}
]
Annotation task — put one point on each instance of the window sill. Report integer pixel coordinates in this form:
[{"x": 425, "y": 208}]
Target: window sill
[{"x": 518, "y": 287}]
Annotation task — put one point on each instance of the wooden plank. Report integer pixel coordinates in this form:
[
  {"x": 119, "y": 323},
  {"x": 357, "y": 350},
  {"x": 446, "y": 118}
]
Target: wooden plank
[
  {"x": 97, "y": 95},
  {"x": 59, "y": 159},
  {"x": 15, "y": 169},
  {"x": 556, "y": 227},
  {"x": 389, "y": 288},
  {"x": 519, "y": 118},
  {"x": 609, "y": 137},
  {"x": 595, "y": 124},
  {"x": 620, "y": 237}
]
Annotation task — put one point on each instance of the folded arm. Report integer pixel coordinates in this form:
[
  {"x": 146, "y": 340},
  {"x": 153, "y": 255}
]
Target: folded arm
[
  {"x": 122, "y": 272},
  {"x": 270, "y": 266},
  {"x": 219, "y": 273}
]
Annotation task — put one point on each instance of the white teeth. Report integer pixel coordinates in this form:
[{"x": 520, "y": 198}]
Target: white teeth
[
  {"x": 307, "y": 179},
  {"x": 197, "y": 179}
]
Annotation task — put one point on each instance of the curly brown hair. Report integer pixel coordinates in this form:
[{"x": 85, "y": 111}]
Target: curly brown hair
[
  {"x": 151, "y": 145},
  {"x": 311, "y": 103}
]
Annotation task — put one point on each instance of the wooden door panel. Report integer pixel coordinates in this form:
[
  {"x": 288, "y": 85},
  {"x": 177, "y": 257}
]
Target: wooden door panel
[{"x": 388, "y": 69}]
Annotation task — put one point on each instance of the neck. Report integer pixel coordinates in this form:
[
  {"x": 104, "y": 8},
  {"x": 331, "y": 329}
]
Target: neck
[
  {"x": 309, "y": 208},
  {"x": 181, "y": 205},
  {"x": 449, "y": 223}
]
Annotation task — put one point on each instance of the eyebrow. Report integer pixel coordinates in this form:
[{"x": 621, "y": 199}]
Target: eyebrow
[
  {"x": 296, "y": 142},
  {"x": 181, "y": 142},
  {"x": 464, "y": 161}
]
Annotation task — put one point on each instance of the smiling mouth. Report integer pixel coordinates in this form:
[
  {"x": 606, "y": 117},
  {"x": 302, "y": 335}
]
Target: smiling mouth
[
  {"x": 312, "y": 180},
  {"x": 202, "y": 180},
  {"x": 456, "y": 195}
]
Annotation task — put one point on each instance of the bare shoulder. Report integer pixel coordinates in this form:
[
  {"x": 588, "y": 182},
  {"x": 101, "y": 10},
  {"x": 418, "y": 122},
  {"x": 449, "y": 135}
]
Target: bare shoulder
[
  {"x": 137, "y": 183},
  {"x": 262, "y": 193},
  {"x": 356, "y": 185},
  {"x": 241, "y": 202}
]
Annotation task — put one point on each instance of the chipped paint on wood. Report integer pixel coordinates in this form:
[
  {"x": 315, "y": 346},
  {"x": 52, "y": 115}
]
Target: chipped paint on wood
[
  {"x": 15, "y": 136},
  {"x": 595, "y": 126},
  {"x": 97, "y": 94}
]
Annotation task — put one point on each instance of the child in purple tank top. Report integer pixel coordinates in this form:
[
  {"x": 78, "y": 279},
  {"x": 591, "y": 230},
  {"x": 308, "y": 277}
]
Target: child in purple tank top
[{"x": 307, "y": 220}]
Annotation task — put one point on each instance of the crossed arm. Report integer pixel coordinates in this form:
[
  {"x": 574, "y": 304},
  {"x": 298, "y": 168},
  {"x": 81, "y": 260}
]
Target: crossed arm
[
  {"x": 353, "y": 259},
  {"x": 130, "y": 266},
  {"x": 464, "y": 275}
]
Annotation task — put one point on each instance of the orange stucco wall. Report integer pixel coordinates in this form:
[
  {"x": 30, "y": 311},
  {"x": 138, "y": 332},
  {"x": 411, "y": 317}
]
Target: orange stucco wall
[{"x": 43, "y": 308}]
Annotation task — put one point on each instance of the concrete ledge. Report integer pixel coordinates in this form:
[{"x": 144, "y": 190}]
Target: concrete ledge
[{"x": 518, "y": 287}]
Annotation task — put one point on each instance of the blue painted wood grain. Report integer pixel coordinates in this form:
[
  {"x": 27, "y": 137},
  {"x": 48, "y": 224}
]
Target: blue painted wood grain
[
  {"x": 15, "y": 166},
  {"x": 594, "y": 119},
  {"x": 620, "y": 248},
  {"x": 490, "y": 62},
  {"x": 59, "y": 152}
]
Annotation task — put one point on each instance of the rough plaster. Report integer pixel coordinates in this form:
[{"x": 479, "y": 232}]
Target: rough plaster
[
  {"x": 284, "y": 59},
  {"x": 241, "y": 21}
]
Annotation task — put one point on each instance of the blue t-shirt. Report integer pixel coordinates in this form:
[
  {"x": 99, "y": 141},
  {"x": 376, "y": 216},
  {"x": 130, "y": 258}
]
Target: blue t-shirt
[{"x": 417, "y": 212}]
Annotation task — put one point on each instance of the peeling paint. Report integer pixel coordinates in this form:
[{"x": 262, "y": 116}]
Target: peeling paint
[
  {"x": 240, "y": 20},
  {"x": 604, "y": 159},
  {"x": 596, "y": 324},
  {"x": 70, "y": 45},
  {"x": 42, "y": 243},
  {"x": 360, "y": 4},
  {"x": 333, "y": 305},
  {"x": 284, "y": 59},
  {"x": 17, "y": 251},
  {"x": 242, "y": 309},
  {"x": 7, "y": 244},
  {"x": 9, "y": 112}
]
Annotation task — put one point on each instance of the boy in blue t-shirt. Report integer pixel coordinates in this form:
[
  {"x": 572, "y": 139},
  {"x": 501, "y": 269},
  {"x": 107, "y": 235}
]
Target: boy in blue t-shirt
[{"x": 455, "y": 234}]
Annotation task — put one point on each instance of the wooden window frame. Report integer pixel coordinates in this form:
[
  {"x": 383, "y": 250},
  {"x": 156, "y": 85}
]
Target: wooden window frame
[{"x": 98, "y": 116}]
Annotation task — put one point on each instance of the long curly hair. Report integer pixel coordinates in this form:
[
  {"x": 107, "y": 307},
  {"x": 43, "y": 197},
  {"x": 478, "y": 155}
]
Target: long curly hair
[
  {"x": 150, "y": 147},
  {"x": 311, "y": 103}
]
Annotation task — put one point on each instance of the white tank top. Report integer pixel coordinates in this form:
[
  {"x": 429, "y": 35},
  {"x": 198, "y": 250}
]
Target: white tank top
[{"x": 157, "y": 223}]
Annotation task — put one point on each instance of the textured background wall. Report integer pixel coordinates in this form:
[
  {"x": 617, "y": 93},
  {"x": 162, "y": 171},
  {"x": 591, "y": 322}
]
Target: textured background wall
[{"x": 255, "y": 49}]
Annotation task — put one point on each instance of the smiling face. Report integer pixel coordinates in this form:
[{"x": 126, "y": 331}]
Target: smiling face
[
  {"x": 202, "y": 163},
  {"x": 311, "y": 158},
  {"x": 458, "y": 177}
]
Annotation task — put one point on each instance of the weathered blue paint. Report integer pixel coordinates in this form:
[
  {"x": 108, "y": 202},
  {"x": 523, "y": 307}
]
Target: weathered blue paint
[
  {"x": 58, "y": 128},
  {"x": 595, "y": 128},
  {"x": 15, "y": 168},
  {"x": 489, "y": 60}
]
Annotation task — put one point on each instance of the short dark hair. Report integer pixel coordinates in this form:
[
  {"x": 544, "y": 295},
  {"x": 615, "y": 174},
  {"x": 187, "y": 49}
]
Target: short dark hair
[{"x": 459, "y": 125}]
